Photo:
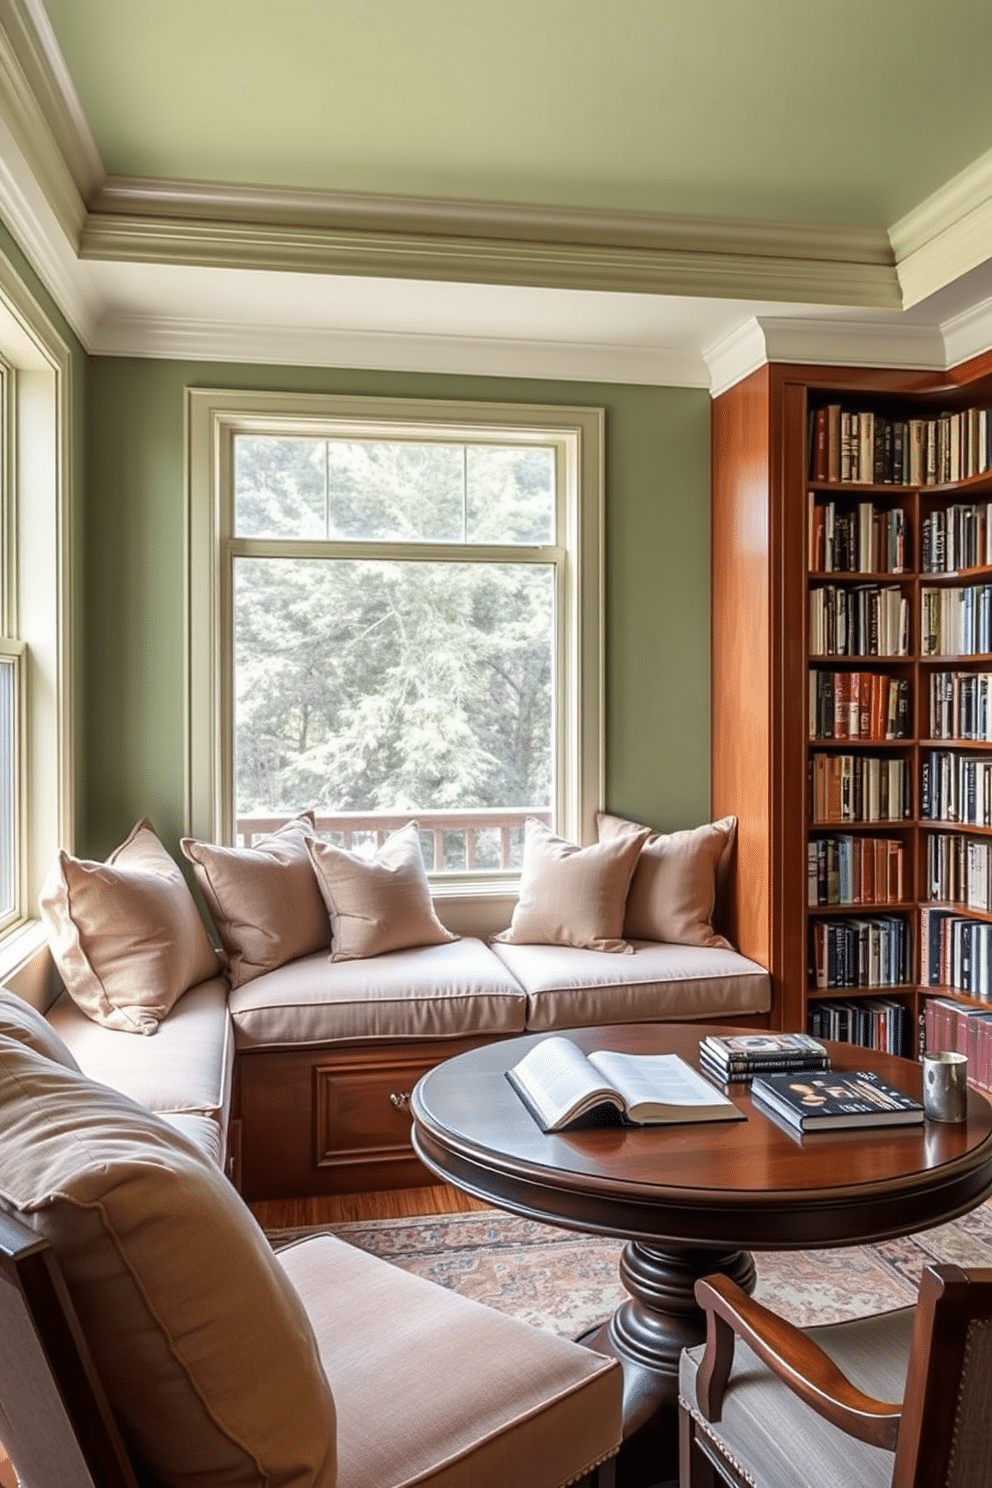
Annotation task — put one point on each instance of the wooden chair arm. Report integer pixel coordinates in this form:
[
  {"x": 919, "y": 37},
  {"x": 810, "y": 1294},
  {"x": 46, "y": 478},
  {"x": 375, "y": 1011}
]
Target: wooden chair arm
[{"x": 792, "y": 1356}]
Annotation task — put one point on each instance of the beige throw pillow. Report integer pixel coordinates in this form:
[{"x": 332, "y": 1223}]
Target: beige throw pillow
[
  {"x": 379, "y": 904},
  {"x": 673, "y": 894},
  {"x": 201, "y": 1342},
  {"x": 571, "y": 895},
  {"x": 264, "y": 899},
  {"x": 126, "y": 935}
]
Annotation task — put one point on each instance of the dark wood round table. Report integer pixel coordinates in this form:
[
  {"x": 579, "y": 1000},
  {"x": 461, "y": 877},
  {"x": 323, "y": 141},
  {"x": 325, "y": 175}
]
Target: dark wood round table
[{"x": 691, "y": 1199}]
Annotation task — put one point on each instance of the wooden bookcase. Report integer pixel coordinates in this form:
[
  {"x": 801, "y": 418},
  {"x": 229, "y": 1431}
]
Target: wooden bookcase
[{"x": 764, "y": 433}]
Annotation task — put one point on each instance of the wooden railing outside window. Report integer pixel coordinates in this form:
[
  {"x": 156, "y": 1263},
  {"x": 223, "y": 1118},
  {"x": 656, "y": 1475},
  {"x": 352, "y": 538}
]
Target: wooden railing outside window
[{"x": 471, "y": 840}]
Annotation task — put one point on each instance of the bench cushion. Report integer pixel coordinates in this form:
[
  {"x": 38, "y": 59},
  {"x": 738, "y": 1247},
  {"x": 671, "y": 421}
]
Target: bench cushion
[
  {"x": 569, "y": 988},
  {"x": 461, "y": 1395},
  {"x": 453, "y": 990},
  {"x": 187, "y": 1066}
]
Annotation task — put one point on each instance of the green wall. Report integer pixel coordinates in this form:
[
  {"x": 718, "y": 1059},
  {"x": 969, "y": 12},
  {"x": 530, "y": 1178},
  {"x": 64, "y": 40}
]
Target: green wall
[{"x": 657, "y": 590}]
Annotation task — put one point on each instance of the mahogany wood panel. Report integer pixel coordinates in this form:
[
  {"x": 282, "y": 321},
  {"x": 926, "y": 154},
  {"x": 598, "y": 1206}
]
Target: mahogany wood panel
[
  {"x": 740, "y": 665},
  {"x": 320, "y": 1121}
]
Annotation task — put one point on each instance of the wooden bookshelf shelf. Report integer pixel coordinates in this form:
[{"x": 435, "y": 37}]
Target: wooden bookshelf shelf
[{"x": 773, "y": 514}]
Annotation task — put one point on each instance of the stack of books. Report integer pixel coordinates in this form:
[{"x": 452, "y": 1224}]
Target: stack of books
[
  {"x": 829, "y": 1100},
  {"x": 739, "y": 1056}
]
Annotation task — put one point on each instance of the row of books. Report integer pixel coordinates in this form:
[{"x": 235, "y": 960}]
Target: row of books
[
  {"x": 951, "y": 1027},
  {"x": 858, "y": 787},
  {"x": 956, "y": 537},
  {"x": 859, "y": 952},
  {"x": 961, "y": 705},
  {"x": 858, "y": 539},
  {"x": 870, "y": 1022},
  {"x": 959, "y": 870},
  {"x": 956, "y": 621},
  {"x": 867, "y": 620},
  {"x": 854, "y": 870},
  {"x": 956, "y": 951},
  {"x": 733, "y": 1057},
  {"x": 956, "y": 788},
  {"x": 857, "y": 705},
  {"x": 870, "y": 448}
]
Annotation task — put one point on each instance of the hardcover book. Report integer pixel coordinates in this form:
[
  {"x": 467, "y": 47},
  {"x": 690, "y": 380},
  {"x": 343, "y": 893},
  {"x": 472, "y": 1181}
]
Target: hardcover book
[
  {"x": 829, "y": 1100},
  {"x": 764, "y": 1051},
  {"x": 560, "y": 1085}
]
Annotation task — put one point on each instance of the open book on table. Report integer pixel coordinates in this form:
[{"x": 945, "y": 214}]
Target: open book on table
[{"x": 560, "y": 1085}]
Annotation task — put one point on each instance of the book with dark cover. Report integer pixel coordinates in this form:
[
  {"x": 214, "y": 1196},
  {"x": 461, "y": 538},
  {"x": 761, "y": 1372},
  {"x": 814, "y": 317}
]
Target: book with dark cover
[
  {"x": 754, "y": 1052},
  {"x": 832, "y": 1100}
]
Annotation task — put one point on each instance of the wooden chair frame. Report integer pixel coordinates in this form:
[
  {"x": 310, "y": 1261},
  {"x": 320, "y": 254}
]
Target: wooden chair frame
[{"x": 919, "y": 1429}]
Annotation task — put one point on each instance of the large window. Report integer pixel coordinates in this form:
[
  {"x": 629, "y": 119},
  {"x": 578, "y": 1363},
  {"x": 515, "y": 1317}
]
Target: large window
[
  {"x": 36, "y": 724},
  {"x": 402, "y": 613}
]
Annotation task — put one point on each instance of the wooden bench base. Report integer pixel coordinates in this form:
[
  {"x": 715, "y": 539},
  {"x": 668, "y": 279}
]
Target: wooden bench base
[{"x": 331, "y": 1120}]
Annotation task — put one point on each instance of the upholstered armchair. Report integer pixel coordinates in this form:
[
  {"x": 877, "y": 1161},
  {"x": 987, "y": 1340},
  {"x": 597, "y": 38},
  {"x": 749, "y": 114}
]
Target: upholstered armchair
[
  {"x": 151, "y": 1338},
  {"x": 899, "y": 1400}
]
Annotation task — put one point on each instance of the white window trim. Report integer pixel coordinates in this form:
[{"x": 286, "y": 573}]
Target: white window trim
[
  {"x": 39, "y": 463},
  {"x": 213, "y": 416}
]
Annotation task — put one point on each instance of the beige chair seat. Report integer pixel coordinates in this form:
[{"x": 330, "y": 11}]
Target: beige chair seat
[
  {"x": 185, "y": 1066},
  {"x": 574, "y": 988},
  {"x": 521, "y": 1407},
  {"x": 445, "y": 991}
]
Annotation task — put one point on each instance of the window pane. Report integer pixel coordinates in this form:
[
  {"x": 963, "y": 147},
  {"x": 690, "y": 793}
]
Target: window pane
[
  {"x": 279, "y": 487},
  {"x": 8, "y": 786},
  {"x": 395, "y": 688},
  {"x": 511, "y": 494},
  {"x": 393, "y": 491}
]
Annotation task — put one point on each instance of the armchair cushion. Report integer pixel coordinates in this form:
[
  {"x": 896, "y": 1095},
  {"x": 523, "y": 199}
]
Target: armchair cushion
[
  {"x": 19, "y": 1020},
  {"x": 203, "y": 1346},
  {"x": 778, "y": 1440},
  {"x": 475, "y": 1399}
]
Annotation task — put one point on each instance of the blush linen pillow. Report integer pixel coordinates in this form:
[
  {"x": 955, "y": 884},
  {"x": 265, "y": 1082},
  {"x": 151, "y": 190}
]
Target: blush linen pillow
[
  {"x": 200, "y": 1340},
  {"x": 673, "y": 893},
  {"x": 570, "y": 895},
  {"x": 126, "y": 935},
  {"x": 379, "y": 904},
  {"x": 264, "y": 899}
]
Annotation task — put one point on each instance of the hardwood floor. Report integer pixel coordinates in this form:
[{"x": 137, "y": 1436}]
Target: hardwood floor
[{"x": 397, "y": 1203}]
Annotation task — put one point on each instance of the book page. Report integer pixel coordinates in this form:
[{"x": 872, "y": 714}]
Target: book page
[
  {"x": 558, "y": 1081},
  {"x": 657, "y": 1080}
]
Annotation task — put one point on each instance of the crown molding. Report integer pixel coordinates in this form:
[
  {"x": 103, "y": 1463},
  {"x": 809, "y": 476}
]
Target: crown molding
[
  {"x": 969, "y": 334},
  {"x": 235, "y": 341},
  {"x": 827, "y": 343},
  {"x": 43, "y": 116},
  {"x": 34, "y": 227},
  {"x": 485, "y": 242},
  {"x": 947, "y": 234}
]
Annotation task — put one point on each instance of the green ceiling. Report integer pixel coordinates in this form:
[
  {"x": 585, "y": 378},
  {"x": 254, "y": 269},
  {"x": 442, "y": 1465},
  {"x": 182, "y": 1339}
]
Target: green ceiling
[{"x": 846, "y": 112}]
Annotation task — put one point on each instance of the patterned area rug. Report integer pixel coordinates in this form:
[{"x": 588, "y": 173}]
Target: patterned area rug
[{"x": 566, "y": 1282}]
